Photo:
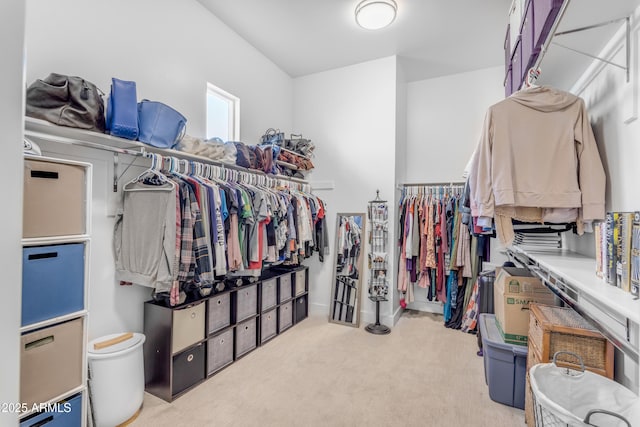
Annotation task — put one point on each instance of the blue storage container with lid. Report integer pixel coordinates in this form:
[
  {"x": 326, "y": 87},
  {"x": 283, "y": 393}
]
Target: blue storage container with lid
[{"x": 505, "y": 365}]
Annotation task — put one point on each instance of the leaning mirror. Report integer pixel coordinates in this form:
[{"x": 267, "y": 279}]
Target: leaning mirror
[{"x": 347, "y": 272}]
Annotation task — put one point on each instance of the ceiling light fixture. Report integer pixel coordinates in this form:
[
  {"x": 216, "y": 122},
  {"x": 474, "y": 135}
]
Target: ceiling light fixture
[{"x": 376, "y": 14}]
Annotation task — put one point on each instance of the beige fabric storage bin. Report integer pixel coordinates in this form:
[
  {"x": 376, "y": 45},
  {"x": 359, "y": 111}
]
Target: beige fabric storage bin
[
  {"x": 54, "y": 199},
  {"x": 188, "y": 326},
  {"x": 50, "y": 362}
]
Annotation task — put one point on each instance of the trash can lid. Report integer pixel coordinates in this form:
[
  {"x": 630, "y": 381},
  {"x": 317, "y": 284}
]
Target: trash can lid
[{"x": 114, "y": 343}]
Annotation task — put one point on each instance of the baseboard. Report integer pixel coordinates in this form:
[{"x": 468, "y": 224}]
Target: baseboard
[
  {"x": 426, "y": 306},
  {"x": 317, "y": 309},
  {"x": 396, "y": 314},
  {"x": 366, "y": 317}
]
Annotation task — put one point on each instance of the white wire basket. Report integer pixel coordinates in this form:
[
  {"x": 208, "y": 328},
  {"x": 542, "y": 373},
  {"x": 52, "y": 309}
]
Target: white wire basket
[{"x": 564, "y": 397}]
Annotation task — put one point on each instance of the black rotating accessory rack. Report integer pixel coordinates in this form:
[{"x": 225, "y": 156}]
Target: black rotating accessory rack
[{"x": 378, "y": 213}]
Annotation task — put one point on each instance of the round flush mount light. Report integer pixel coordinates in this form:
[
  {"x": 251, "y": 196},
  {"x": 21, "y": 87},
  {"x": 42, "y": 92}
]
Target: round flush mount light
[{"x": 375, "y": 14}]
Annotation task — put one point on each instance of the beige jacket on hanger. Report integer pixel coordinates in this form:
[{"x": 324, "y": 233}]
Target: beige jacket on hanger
[{"x": 537, "y": 149}]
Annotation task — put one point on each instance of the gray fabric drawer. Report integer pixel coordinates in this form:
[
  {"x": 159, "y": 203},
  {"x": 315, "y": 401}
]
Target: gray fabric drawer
[
  {"x": 246, "y": 338},
  {"x": 269, "y": 294},
  {"x": 301, "y": 282},
  {"x": 286, "y": 316},
  {"x": 268, "y": 325},
  {"x": 219, "y": 351},
  {"x": 246, "y": 302},
  {"x": 285, "y": 287},
  {"x": 219, "y": 312}
]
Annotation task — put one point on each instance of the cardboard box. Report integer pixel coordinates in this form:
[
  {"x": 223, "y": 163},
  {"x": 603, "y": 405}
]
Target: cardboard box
[{"x": 513, "y": 291}]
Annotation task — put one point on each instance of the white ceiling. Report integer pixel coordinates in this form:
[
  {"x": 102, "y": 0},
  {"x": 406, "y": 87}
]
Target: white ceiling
[{"x": 432, "y": 37}]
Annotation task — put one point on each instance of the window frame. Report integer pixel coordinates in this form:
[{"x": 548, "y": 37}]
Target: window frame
[{"x": 233, "y": 105}]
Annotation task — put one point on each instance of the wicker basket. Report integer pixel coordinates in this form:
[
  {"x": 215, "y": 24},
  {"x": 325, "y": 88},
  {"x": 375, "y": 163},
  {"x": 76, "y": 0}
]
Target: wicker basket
[{"x": 553, "y": 329}]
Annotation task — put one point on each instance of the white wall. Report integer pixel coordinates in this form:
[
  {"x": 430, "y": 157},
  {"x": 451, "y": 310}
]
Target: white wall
[
  {"x": 444, "y": 120},
  {"x": 401, "y": 172},
  {"x": 609, "y": 98},
  {"x": 11, "y": 106},
  {"x": 171, "y": 48},
  {"x": 350, "y": 114}
]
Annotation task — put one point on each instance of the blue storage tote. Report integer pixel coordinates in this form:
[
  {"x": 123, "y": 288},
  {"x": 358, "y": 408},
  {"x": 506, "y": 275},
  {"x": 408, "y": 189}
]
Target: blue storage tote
[
  {"x": 52, "y": 281},
  {"x": 66, "y": 413},
  {"x": 505, "y": 365}
]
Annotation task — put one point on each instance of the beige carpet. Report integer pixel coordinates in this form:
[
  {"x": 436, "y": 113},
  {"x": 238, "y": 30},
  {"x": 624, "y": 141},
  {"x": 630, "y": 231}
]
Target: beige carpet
[{"x": 322, "y": 374}]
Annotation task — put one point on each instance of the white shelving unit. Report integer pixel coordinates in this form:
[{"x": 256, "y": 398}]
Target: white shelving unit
[
  {"x": 82, "y": 314},
  {"x": 572, "y": 277},
  {"x": 40, "y": 130}
]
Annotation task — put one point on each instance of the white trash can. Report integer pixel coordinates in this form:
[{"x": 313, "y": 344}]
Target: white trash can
[{"x": 116, "y": 378}]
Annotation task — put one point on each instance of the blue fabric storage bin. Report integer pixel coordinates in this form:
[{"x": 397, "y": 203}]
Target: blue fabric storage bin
[
  {"x": 505, "y": 365},
  {"x": 66, "y": 413},
  {"x": 52, "y": 281}
]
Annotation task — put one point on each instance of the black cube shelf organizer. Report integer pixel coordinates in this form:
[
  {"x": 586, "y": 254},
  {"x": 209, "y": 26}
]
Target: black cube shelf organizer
[{"x": 189, "y": 343}]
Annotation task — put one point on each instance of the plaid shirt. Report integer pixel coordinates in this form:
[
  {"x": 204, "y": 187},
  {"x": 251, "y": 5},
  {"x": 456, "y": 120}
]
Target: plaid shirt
[
  {"x": 187, "y": 258},
  {"x": 175, "y": 288},
  {"x": 204, "y": 275}
]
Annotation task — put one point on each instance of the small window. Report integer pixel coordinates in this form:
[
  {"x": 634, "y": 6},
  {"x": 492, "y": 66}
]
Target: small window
[{"x": 223, "y": 114}]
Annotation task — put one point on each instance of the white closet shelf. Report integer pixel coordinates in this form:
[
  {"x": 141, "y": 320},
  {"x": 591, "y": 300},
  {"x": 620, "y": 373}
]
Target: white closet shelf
[
  {"x": 287, "y": 165},
  {"x": 572, "y": 276},
  {"x": 41, "y": 129},
  {"x": 54, "y": 321},
  {"x": 37, "y": 241},
  {"x": 295, "y": 153}
]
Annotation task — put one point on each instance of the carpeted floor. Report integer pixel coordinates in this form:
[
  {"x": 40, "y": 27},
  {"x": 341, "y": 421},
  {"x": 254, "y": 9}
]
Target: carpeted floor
[{"x": 323, "y": 374}]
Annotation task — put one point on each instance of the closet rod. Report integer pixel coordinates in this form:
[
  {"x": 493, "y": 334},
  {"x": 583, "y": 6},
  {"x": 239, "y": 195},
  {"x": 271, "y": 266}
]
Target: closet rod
[
  {"x": 144, "y": 149},
  {"x": 431, "y": 184},
  {"x": 206, "y": 160},
  {"x": 269, "y": 178}
]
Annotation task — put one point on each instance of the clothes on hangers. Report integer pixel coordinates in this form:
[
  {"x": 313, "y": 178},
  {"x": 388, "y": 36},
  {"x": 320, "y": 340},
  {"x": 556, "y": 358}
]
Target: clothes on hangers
[
  {"x": 435, "y": 248},
  {"x": 184, "y": 233}
]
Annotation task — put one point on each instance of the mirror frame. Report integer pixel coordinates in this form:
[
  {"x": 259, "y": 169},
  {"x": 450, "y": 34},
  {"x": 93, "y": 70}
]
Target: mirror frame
[{"x": 359, "y": 266}]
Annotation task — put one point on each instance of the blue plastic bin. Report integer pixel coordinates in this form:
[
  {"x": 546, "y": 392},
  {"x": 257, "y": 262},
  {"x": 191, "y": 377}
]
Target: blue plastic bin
[
  {"x": 52, "y": 281},
  {"x": 505, "y": 365}
]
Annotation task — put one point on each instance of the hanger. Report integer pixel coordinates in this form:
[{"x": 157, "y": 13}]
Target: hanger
[
  {"x": 156, "y": 162},
  {"x": 532, "y": 76}
]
